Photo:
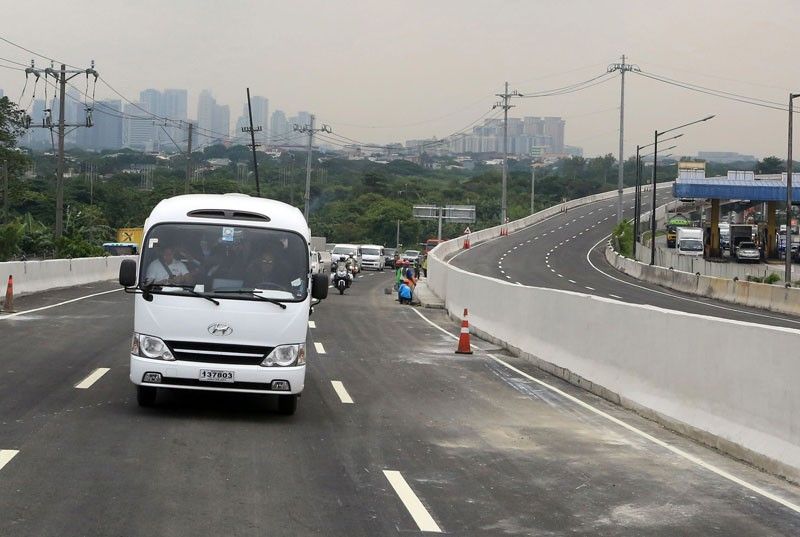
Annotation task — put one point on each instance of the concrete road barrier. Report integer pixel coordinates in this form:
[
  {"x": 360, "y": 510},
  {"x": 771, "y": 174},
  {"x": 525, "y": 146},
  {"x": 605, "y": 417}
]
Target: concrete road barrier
[
  {"x": 725, "y": 383},
  {"x": 36, "y": 276}
]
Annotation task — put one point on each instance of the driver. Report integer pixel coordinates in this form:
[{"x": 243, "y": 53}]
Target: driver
[{"x": 166, "y": 268}]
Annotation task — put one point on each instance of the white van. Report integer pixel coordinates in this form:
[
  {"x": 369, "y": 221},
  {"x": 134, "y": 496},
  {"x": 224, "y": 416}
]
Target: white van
[
  {"x": 223, "y": 294},
  {"x": 346, "y": 250},
  {"x": 372, "y": 256}
]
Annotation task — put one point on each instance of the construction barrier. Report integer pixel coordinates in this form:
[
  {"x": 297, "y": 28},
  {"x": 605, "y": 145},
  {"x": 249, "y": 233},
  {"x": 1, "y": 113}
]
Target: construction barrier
[{"x": 35, "y": 276}]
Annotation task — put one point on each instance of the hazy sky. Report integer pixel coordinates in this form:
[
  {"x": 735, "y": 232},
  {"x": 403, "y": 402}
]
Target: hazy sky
[{"x": 415, "y": 69}]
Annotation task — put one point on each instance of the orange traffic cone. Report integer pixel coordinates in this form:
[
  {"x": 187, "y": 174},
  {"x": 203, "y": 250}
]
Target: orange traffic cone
[
  {"x": 8, "y": 305},
  {"x": 463, "y": 340},
  {"x": 467, "y": 244}
]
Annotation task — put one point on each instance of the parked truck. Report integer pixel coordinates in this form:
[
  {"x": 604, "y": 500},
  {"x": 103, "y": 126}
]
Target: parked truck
[{"x": 739, "y": 233}]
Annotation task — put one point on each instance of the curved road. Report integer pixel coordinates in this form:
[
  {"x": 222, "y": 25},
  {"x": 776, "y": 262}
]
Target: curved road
[{"x": 566, "y": 252}]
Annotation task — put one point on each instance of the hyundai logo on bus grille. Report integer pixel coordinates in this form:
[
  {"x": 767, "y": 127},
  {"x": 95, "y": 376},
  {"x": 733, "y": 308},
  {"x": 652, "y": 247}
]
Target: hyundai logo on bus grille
[{"x": 219, "y": 329}]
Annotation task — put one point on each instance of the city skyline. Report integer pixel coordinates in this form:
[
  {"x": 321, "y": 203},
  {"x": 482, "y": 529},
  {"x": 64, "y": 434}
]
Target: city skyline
[{"x": 414, "y": 81}]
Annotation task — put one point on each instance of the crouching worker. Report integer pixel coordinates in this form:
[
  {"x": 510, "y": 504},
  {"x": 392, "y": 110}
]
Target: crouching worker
[{"x": 404, "y": 293}]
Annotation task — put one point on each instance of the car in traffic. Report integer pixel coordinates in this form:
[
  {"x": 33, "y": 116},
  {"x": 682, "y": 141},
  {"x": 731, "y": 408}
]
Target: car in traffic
[
  {"x": 748, "y": 252},
  {"x": 388, "y": 257},
  {"x": 412, "y": 256},
  {"x": 372, "y": 257},
  {"x": 346, "y": 250}
]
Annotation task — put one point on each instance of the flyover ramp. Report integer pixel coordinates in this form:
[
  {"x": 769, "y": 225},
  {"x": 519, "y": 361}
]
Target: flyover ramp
[{"x": 707, "y": 369}]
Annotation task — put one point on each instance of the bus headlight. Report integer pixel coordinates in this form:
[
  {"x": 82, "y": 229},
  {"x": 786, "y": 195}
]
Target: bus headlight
[
  {"x": 286, "y": 355},
  {"x": 150, "y": 347}
]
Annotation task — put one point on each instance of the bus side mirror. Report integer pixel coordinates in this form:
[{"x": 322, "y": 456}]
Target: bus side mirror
[
  {"x": 127, "y": 273},
  {"x": 319, "y": 286}
]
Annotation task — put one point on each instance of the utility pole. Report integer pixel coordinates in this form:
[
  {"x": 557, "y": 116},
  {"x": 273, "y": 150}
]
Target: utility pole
[
  {"x": 310, "y": 130},
  {"x": 504, "y": 104},
  {"x": 253, "y": 143},
  {"x": 189, "y": 158},
  {"x": 789, "y": 169},
  {"x": 397, "y": 237},
  {"x": 5, "y": 191},
  {"x": 533, "y": 185},
  {"x": 622, "y": 68},
  {"x": 62, "y": 76}
]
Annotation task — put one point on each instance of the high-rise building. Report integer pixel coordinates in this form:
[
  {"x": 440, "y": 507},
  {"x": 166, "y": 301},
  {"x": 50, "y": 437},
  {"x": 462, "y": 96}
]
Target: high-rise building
[
  {"x": 138, "y": 133},
  {"x": 523, "y": 135},
  {"x": 213, "y": 120},
  {"x": 260, "y": 107},
  {"x": 279, "y": 128},
  {"x": 174, "y": 106},
  {"x": 554, "y": 127},
  {"x": 107, "y": 130}
]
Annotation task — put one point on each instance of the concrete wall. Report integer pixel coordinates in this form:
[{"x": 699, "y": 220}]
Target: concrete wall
[
  {"x": 757, "y": 295},
  {"x": 726, "y": 383},
  {"x": 35, "y": 276}
]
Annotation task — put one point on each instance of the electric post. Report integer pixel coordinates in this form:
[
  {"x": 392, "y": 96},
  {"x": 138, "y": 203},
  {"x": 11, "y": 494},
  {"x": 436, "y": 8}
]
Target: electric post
[
  {"x": 253, "y": 130},
  {"x": 504, "y": 104},
  {"x": 310, "y": 130},
  {"x": 62, "y": 76},
  {"x": 622, "y": 68},
  {"x": 5, "y": 191},
  {"x": 189, "y": 158}
]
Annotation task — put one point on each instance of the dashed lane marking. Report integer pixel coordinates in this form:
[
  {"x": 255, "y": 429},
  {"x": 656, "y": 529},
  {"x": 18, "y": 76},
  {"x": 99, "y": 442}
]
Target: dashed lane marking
[
  {"x": 93, "y": 377},
  {"x": 647, "y": 436},
  {"x": 319, "y": 348},
  {"x": 590, "y": 288},
  {"x": 571, "y": 281},
  {"x": 312, "y": 324},
  {"x": 6, "y": 455},
  {"x": 342, "y": 392},
  {"x": 415, "y": 508},
  {"x": 615, "y": 296}
]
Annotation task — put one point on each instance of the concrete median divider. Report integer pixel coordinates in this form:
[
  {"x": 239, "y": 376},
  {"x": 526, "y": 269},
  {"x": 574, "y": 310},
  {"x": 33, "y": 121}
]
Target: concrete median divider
[
  {"x": 37, "y": 276},
  {"x": 728, "y": 384}
]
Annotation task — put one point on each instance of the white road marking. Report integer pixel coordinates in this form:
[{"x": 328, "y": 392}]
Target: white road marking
[
  {"x": 519, "y": 283},
  {"x": 415, "y": 508},
  {"x": 615, "y": 296},
  {"x": 330, "y": 287},
  {"x": 318, "y": 346},
  {"x": 312, "y": 324},
  {"x": 552, "y": 270},
  {"x": 342, "y": 392},
  {"x": 507, "y": 276},
  {"x": 6, "y": 455},
  {"x": 502, "y": 271},
  {"x": 677, "y": 451},
  {"x": 679, "y": 297},
  {"x": 10, "y": 315},
  {"x": 93, "y": 377},
  {"x": 590, "y": 288},
  {"x": 560, "y": 275},
  {"x": 571, "y": 281}
]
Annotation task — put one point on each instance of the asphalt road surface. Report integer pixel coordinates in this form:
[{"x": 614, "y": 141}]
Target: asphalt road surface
[
  {"x": 394, "y": 435},
  {"x": 567, "y": 252}
]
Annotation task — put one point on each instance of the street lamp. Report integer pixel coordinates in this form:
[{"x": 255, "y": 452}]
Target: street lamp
[
  {"x": 637, "y": 203},
  {"x": 656, "y": 134},
  {"x": 788, "y": 248}
]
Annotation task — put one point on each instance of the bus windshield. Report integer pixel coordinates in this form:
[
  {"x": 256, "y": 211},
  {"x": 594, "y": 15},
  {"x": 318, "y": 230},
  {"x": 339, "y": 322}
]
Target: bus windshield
[{"x": 225, "y": 260}]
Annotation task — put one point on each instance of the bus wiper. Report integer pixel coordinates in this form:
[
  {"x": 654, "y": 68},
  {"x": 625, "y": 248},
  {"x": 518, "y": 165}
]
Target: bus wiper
[
  {"x": 254, "y": 294},
  {"x": 188, "y": 288}
]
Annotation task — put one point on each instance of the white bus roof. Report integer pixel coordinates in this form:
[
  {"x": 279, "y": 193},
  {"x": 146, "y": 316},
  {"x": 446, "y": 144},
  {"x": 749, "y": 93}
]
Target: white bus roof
[{"x": 273, "y": 214}]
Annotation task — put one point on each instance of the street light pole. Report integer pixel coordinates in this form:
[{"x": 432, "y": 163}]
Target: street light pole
[
  {"x": 789, "y": 168},
  {"x": 656, "y": 134}
]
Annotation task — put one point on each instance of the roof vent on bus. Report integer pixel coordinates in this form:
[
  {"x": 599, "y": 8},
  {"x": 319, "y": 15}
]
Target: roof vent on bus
[{"x": 228, "y": 215}]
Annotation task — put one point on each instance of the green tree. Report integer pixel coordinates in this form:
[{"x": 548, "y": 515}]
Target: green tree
[{"x": 771, "y": 164}]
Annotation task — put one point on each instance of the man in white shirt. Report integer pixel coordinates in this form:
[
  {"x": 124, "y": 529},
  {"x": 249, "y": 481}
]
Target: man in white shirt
[{"x": 166, "y": 269}]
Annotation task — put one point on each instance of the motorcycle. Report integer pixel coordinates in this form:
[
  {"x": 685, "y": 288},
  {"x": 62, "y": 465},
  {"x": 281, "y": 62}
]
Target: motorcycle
[{"x": 342, "y": 278}]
